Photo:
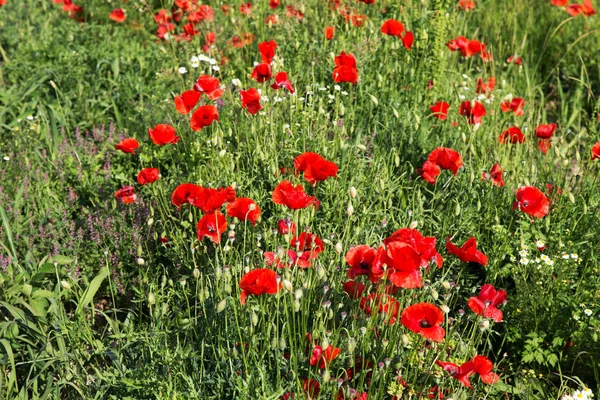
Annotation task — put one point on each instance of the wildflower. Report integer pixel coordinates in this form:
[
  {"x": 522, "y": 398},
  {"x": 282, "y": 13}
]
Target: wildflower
[
  {"x": 468, "y": 252},
  {"x": 212, "y": 226},
  {"x": 532, "y": 201},
  {"x": 148, "y": 175},
  {"x": 315, "y": 167},
  {"x": 129, "y": 145},
  {"x": 183, "y": 70},
  {"x": 293, "y": 197},
  {"x": 163, "y": 134},
  {"x": 512, "y": 135},
  {"x": 244, "y": 209},
  {"x": 257, "y": 282},
  {"x": 588, "y": 312},
  {"x": 322, "y": 358},
  {"x": 126, "y": 195},
  {"x": 204, "y": 116},
  {"x": 440, "y": 110},
  {"x": 118, "y": 15},
  {"x": 424, "y": 319},
  {"x": 495, "y": 175},
  {"x": 473, "y": 111},
  {"x": 208, "y": 85},
  {"x": 251, "y": 100},
  {"x": 345, "y": 69},
  {"x": 487, "y": 301},
  {"x": 329, "y": 31}
]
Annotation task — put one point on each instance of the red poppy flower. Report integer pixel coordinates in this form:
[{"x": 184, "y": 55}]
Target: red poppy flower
[
  {"x": 212, "y": 225},
  {"x": 267, "y": 51},
  {"x": 3, "y": 2},
  {"x": 354, "y": 289},
  {"x": 148, "y": 175},
  {"x": 446, "y": 158},
  {"x": 289, "y": 259},
  {"x": 515, "y": 105},
  {"x": 285, "y": 226},
  {"x": 163, "y": 134},
  {"x": 185, "y": 193},
  {"x": 251, "y": 100},
  {"x": 246, "y": 8},
  {"x": 543, "y": 145},
  {"x": 208, "y": 85},
  {"x": 440, "y": 110},
  {"x": 596, "y": 151},
  {"x": 162, "y": 17},
  {"x": 401, "y": 262},
  {"x": 461, "y": 373},
  {"x": 308, "y": 242},
  {"x": 514, "y": 59},
  {"x": 424, "y": 319},
  {"x": 128, "y": 145},
  {"x": 360, "y": 259},
  {"x": 274, "y": 3},
  {"x": 532, "y": 201},
  {"x": 311, "y": 388},
  {"x": 126, "y": 195},
  {"x": 468, "y": 252},
  {"x": 293, "y": 12},
  {"x": 282, "y": 81},
  {"x": 495, "y": 175},
  {"x": 262, "y": 73},
  {"x": 483, "y": 88},
  {"x": 474, "y": 111},
  {"x": 257, "y": 282},
  {"x": 466, "y": 5},
  {"x": 118, "y": 15},
  {"x": 322, "y": 358},
  {"x": 244, "y": 209},
  {"x": 392, "y": 27},
  {"x": 429, "y": 171},
  {"x": 315, "y": 167},
  {"x": 204, "y": 116},
  {"x": 209, "y": 200},
  {"x": 560, "y": 3},
  {"x": 545, "y": 131},
  {"x": 381, "y": 304},
  {"x": 483, "y": 367},
  {"x": 487, "y": 301},
  {"x": 329, "y": 31},
  {"x": 512, "y": 135},
  {"x": 423, "y": 245},
  {"x": 187, "y": 101},
  {"x": 345, "y": 69},
  {"x": 586, "y": 9},
  {"x": 467, "y": 48},
  {"x": 408, "y": 40},
  {"x": 293, "y": 197}
]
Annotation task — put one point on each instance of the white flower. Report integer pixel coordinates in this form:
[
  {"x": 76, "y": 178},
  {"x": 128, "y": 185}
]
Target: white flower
[
  {"x": 550, "y": 262},
  {"x": 587, "y": 312},
  {"x": 523, "y": 253},
  {"x": 462, "y": 96},
  {"x": 545, "y": 258},
  {"x": 576, "y": 317},
  {"x": 216, "y": 68},
  {"x": 6, "y": 158},
  {"x": 286, "y": 126},
  {"x": 236, "y": 82},
  {"x": 539, "y": 244},
  {"x": 331, "y": 97},
  {"x": 344, "y": 93},
  {"x": 30, "y": 117},
  {"x": 565, "y": 256},
  {"x": 524, "y": 261},
  {"x": 195, "y": 64},
  {"x": 183, "y": 70},
  {"x": 337, "y": 87},
  {"x": 574, "y": 256}
]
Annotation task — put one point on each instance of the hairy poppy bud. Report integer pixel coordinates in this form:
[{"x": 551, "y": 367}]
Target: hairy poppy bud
[
  {"x": 254, "y": 318},
  {"x": 353, "y": 192},
  {"x": 445, "y": 309},
  {"x": 338, "y": 248},
  {"x": 140, "y": 261},
  {"x": 151, "y": 298},
  {"x": 196, "y": 273},
  {"x": 326, "y": 376},
  {"x": 221, "y": 306},
  {"x": 350, "y": 210},
  {"x": 65, "y": 285}
]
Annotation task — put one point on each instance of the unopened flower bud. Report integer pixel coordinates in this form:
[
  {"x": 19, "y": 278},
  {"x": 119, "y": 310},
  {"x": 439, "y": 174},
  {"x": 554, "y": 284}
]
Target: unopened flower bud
[
  {"x": 405, "y": 340},
  {"x": 65, "y": 285},
  {"x": 350, "y": 210},
  {"x": 338, "y": 248},
  {"x": 140, "y": 261},
  {"x": 414, "y": 224},
  {"x": 221, "y": 306},
  {"x": 446, "y": 285},
  {"x": 445, "y": 309},
  {"x": 298, "y": 294},
  {"x": 287, "y": 285},
  {"x": 353, "y": 192},
  {"x": 151, "y": 298},
  {"x": 196, "y": 273}
]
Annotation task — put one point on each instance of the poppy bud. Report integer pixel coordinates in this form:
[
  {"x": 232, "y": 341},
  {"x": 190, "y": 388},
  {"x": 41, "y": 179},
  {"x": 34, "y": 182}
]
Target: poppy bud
[
  {"x": 350, "y": 210},
  {"x": 163, "y": 281},
  {"x": 326, "y": 376},
  {"x": 484, "y": 325},
  {"x": 298, "y": 294},
  {"x": 274, "y": 343},
  {"x": 182, "y": 282},
  {"x": 405, "y": 340},
  {"x": 434, "y": 294},
  {"x": 414, "y": 224},
  {"x": 151, "y": 298},
  {"x": 196, "y": 273},
  {"x": 150, "y": 221},
  {"x": 351, "y": 345},
  {"x": 282, "y": 344},
  {"x": 140, "y": 261},
  {"x": 65, "y": 285},
  {"x": 165, "y": 309},
  {"x": 445, "y": 309},
  {"x": 296, "y": 306},
  {"x": 287, "y": 285},
  {"x": 353, "y": 192},
  {"x": 446, "y": 285},
  {"x": 221, "y": 306},
  {"x": 254, "y": 319},
  {"x": 338, "y": 248}
]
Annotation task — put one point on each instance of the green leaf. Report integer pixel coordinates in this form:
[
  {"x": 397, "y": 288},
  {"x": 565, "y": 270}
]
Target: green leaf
[
  {"x": 90, "y": 292},
  {"x": 60, "y": 260}
]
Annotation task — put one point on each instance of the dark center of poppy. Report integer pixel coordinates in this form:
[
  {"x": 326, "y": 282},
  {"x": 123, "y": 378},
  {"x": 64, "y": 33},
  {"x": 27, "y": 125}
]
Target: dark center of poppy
[
  {"x": 487, "y": 302},
  {"x": 424, "y": 324}
]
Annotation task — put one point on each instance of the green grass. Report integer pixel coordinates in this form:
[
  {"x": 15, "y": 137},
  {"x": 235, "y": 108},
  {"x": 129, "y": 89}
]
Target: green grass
[{"x": 93, "y": 305}]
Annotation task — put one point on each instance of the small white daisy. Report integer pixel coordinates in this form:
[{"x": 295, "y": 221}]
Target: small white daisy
[{"x": 183, "y": 70}]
